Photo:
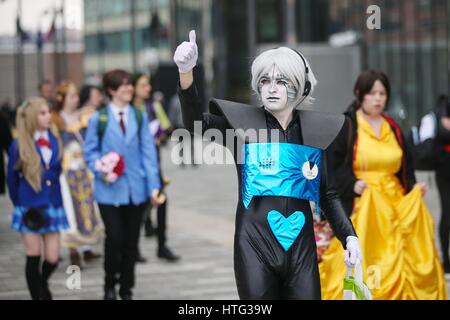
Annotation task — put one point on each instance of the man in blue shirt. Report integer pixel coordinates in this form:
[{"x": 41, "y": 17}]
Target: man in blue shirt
[{"x": 118, "y": 128}]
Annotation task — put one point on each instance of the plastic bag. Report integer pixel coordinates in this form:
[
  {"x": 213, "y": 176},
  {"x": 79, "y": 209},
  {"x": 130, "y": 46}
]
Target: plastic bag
[{"x": 354, "y": 286}]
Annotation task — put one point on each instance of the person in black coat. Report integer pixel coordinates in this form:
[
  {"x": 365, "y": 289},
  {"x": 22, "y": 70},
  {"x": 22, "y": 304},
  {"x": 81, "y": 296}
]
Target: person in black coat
[
  {"x": 5, "y": 141},
  {"x": 443, "y": 176}
]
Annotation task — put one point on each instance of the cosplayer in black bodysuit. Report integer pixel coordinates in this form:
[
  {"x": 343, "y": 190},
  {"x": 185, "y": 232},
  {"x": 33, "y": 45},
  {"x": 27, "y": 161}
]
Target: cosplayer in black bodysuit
[{"x": 275, "y": 249}]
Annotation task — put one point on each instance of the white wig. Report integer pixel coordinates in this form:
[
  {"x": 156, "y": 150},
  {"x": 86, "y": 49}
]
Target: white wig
[{"x": 291, "y": 66}]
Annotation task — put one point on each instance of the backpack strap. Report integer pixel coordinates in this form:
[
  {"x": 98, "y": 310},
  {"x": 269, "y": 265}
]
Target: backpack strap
[
  {"x": 139, "y": 118},
  {"x": 103, "y": 122}
]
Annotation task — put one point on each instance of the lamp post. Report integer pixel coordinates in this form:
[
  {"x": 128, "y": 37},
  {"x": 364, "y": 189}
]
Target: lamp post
[
  {"x": 65, "y": 61},
  {"x": 290, "y": 26},
  {"x": 18, "y": 57},
  {"x": 19, "y": 77},
  {"x": 133, "y": 36},
  {"x": 251, "y": 36},
  {"x": 40, "y": 46}
]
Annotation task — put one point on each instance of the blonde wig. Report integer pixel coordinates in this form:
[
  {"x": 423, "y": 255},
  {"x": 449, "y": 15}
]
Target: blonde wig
[{"x": 27, "y": 123}]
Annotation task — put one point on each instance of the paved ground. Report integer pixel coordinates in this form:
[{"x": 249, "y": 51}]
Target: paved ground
[{"x": 201, "y": 228}]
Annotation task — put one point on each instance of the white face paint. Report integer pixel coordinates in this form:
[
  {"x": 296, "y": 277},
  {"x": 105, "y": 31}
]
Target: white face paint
[{"x": 276, "y": 91}]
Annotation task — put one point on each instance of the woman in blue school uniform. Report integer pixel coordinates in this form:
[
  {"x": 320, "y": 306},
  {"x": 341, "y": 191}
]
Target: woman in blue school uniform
[{"x": 34, "y": 168}]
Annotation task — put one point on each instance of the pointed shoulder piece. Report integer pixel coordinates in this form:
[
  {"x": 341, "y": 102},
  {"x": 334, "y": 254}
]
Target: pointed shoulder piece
[
  {"x": 239, "y": 116},
  {"x": 320, "y": 129}
]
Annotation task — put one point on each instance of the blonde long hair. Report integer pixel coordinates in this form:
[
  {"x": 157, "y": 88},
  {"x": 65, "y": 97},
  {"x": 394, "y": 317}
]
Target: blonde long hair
[
  {"x": 61, "y": 95},
  {"x": 29, "y": 160}
]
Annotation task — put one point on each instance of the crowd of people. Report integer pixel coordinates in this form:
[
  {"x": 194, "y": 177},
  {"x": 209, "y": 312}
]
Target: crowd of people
[
  {"x": 66, "y": 191},
  {"x": 84, "y": 166}
]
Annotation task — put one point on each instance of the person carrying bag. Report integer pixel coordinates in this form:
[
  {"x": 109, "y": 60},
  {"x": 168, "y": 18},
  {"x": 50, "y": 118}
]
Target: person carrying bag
[{"x": 354, "y": 286}]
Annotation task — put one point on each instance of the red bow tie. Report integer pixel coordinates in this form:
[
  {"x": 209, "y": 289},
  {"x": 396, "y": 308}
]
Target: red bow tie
[{"x": 43, "y": 143}]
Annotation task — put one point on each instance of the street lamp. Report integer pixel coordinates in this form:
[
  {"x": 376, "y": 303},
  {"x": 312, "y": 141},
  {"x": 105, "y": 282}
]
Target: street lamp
[
  {"x": 18, "y": 55},
  {"x": 19, "y": 60},
  {"x": 40, "y": 45}
]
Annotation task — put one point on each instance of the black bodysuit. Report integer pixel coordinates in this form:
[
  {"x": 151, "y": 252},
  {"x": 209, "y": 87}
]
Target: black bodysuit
[{"x": 263, "y": 269}]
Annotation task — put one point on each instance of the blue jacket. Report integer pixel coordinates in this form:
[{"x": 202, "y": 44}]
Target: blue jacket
[
  {"x": 141, "y": 174},
  {"x": 21, "y": 192}
]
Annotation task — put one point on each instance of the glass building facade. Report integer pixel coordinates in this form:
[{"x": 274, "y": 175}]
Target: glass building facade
[
  {"x": 117, "y": 30},
  {"x": 412, "y": 46}
]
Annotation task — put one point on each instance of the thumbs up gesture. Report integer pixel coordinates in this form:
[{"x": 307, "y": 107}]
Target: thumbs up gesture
[{"x": 186, "y": 55}]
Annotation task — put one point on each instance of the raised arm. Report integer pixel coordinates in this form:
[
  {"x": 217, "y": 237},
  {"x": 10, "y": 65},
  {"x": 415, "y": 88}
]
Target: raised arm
[{"x": 185, "y": 58}]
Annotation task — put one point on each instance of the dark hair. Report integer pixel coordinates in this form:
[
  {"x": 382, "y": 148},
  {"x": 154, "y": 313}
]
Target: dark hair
[
  {"x": 136, "y": 77},
  {"x": 443, "y": 105},
  {"x": 364, "y": 85},
  {"x": 85, "y": 93},
  {"x": 43, "y": 83},
  {"x": 112, "y": 80}
]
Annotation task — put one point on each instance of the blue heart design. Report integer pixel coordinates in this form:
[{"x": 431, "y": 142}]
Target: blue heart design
[{"x": 286, "y": 230}]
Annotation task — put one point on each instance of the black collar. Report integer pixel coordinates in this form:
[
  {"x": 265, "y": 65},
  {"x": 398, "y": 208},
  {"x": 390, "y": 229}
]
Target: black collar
[{"x": 318, "y": 129}]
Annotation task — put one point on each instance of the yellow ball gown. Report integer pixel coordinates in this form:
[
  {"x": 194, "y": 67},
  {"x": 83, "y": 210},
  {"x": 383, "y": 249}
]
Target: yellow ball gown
[{"x": 395, "y": 230}]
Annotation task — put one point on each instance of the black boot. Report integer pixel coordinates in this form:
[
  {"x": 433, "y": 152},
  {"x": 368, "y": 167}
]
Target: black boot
[
  {"x": 90, "y": 255},
  {"x": 47, "y": 270},
  {"x": 110, "y": 294},
  {"x": 126, "y": 296},
  {"x": 75, "y": 259},
  {"x": 33, "y": 276},
  {"x": 166, "y": 253},
  {"x": 140, "y": 258}
]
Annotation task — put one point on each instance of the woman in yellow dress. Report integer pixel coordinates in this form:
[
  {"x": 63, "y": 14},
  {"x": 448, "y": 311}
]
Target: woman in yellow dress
[{"x": 377, "y": 185}]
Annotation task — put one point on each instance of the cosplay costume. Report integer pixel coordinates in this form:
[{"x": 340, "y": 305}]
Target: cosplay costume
[
  {"x": 395, "y": 228},
  {"x": 159, "y": 123},
  {"x": 48, "y": 199},
  {"x": 274, "y": 248},
  {"x": 122, "y": 203},
  {"x": 5, "y": 142},
  {"x": 86, "y": 226}
]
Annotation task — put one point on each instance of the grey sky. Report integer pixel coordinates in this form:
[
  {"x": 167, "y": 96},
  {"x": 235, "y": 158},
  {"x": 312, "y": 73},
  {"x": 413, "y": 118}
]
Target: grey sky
[{"x": 31, "y": 14}]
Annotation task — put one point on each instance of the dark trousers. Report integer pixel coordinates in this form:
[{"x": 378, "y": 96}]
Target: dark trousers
[
  {"x": 161, "y": 218},
  {"x": 443, "y": 184},
  {"x": 161, "y": 212},
  {"x": 122, "y": 226}
]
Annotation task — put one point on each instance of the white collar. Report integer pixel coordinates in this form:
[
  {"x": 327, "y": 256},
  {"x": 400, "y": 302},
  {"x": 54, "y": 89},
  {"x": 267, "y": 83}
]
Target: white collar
[
  {"x": 117, "y": 109},
  {"x": 41, "y": 134}
]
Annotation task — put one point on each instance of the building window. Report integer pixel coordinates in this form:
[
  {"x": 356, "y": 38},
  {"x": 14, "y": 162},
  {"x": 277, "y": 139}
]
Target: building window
[{"x": 269, "y": 21}]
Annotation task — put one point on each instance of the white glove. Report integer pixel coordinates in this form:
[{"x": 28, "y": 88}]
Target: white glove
[
  {"x": 353, "y": 254},
  {"x": 186, "y": 54}
]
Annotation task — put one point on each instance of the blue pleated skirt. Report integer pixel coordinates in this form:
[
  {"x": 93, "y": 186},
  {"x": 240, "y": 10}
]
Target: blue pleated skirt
[{"x": 55, "y": 217}]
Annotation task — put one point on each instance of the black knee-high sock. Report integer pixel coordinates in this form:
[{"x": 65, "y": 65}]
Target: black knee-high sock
[
  {"x": 33, "y": 276},
  {"x": 47, "y": 270}
]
